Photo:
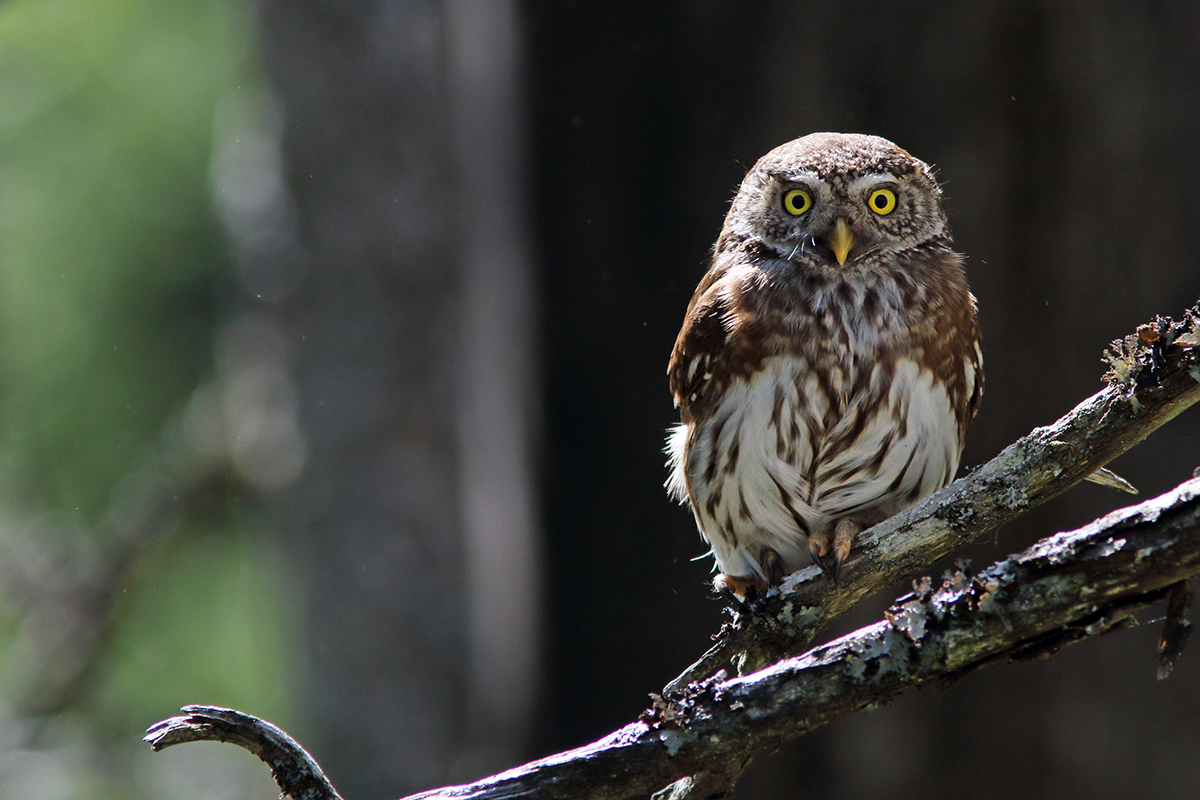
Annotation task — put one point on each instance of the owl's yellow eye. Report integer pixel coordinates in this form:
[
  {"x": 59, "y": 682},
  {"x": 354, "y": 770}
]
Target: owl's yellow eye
[
  {"x": 882, "y": 201},
  {"x": 796, "y": 202}
]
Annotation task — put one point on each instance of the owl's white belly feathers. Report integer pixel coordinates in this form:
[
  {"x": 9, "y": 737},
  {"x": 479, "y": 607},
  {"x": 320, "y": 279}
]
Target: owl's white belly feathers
[{"x": 784, "y": 456}]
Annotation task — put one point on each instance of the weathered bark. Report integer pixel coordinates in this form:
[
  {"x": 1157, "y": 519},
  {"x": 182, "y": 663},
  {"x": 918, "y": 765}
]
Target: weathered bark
[
  {"x": 297, "y": 774},
  {"x": 1064, "y": 589}
]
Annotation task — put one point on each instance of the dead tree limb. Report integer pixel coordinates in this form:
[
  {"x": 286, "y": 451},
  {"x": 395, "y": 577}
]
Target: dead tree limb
[
  {"x": 1064, "y": 589},
  {"x": 298, "y": 775}
]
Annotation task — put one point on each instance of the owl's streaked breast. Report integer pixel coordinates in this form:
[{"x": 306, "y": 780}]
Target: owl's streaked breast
[{"x": 788, "y": 454}]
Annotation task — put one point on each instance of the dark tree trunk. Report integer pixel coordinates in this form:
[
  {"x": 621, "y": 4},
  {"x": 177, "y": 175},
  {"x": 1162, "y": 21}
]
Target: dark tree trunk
[{"x": 403, "y": 297}]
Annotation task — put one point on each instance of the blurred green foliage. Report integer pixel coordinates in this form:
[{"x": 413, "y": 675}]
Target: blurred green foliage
[
  {"x": 109, "y": 253},
  {"x": 219, "y": 639},
  {"x": 113, "y": 269}
]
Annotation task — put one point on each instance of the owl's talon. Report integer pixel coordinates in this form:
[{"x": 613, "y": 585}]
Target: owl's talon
[
  {"x": 819, "y": 547},
  {"x": 831, "y": 567},
  {"x": 843, "y": 537},
  {"x": 772, "y": 566},
  {"x": 741, "y": 590},
  {"x": 752, "y": 587}
]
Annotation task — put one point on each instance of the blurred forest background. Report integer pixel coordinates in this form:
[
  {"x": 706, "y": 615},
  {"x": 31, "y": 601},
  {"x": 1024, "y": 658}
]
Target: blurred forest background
[{"x": 333, "y": 337}]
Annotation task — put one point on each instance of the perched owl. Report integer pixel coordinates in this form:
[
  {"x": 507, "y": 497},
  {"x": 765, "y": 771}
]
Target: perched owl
[{"x": 829, "y": 364}]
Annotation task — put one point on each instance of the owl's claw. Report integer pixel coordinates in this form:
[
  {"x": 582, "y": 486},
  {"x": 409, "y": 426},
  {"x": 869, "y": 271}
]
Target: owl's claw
[
  {"x": 739, "y": 589},
  {"x": 831, "y": 566},
  {"x": 751, "y": 586},
  {"x": 818, "y": 559},
  {"x": 830, "y": 550},
  {"x": 843, "y": 537},
  {"x": 772, "y": 566},
  {"x": 820, "y": 546}
]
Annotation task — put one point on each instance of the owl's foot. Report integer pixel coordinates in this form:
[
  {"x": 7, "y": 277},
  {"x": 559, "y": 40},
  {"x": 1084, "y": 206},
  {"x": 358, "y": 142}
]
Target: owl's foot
[
  {"x": 751, "y": 586},
  {"x": 830, "y": 548}
]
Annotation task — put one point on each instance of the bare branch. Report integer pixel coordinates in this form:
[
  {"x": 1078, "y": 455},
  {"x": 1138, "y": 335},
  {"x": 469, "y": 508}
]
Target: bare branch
[
  {"x": 1062, "y": 590},
  {"x": 297, "y": 774},
  {"x": 706, "y": 728}
]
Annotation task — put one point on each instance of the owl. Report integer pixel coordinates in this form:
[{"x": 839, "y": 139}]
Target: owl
[{"x": 829, "y": 363}]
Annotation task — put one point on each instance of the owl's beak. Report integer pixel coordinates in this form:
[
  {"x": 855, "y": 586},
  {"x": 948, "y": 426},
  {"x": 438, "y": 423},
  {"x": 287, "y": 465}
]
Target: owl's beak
[{"x": 841, "y": 240}]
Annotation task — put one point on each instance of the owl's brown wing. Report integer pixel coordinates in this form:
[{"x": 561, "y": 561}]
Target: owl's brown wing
[
  {"x": 966, "y": 383},
  {"x": 697, "y": 349},
  {"x": 718, "y": 342},
  {"x": 976, "y": 361}
]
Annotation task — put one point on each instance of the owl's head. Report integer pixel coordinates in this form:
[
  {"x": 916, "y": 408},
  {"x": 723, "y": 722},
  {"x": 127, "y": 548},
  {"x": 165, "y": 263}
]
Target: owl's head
[{"x": 838, "y": 200}]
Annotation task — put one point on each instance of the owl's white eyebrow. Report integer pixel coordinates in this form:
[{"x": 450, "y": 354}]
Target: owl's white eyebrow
[
  {"x": 803, "y": 177},
  {"x": 874, "y": 179}
]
